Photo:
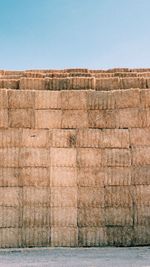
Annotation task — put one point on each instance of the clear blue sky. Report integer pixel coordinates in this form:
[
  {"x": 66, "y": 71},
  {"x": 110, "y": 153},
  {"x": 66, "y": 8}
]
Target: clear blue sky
[{"x": 74, "y": 33}]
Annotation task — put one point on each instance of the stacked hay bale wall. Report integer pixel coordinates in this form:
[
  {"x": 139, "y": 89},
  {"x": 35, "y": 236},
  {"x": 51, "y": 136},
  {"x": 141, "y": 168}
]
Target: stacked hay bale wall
[{"x": 75, "y": 158}]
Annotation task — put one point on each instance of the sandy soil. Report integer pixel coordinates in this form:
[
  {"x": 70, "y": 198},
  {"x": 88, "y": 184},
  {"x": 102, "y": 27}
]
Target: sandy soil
[{"x": 76, "y": 257}]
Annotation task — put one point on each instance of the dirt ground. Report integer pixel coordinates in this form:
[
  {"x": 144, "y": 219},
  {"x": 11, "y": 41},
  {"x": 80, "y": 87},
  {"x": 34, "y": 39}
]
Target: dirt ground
[{"x": 76, "y": 257}]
